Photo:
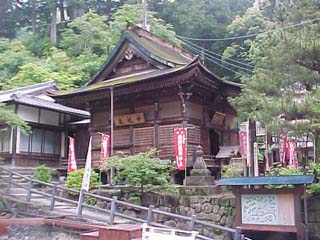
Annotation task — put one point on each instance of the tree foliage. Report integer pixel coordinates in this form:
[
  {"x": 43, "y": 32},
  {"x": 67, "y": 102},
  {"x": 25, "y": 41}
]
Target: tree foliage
[{"x": 142, "y": 170}]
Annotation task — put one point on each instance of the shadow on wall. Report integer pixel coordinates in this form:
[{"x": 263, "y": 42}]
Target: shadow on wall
[{"x": 270, "y": 235}]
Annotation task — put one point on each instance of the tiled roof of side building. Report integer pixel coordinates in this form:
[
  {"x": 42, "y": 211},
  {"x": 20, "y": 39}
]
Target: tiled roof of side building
[
  {"x": 38, "y": 102},
  {"x": 34, "y": 89}
]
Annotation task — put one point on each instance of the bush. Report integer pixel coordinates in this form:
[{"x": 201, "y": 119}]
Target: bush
[
  {"x": 143, "y": 170},
  {"x": 313, "y": 168},
  {"x": 74, "y": 179},
  {"x": 43, "y": 173},
  {"x": 230, "y": 171}
]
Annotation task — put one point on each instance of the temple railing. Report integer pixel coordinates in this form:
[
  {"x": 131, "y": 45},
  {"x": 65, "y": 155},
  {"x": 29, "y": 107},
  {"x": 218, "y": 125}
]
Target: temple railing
[{"x": 55, "y": 192}]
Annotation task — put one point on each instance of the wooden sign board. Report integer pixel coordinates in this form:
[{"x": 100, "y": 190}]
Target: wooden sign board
[
  {"x": 129, "y": 119},
  {"x": 218, "y": 118},
  {"x": 267, "y": 209}
]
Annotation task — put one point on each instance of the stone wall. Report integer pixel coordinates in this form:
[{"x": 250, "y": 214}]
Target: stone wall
[
  {"x": 217, "y": 208},
  {"x": 313, "y": 206}
]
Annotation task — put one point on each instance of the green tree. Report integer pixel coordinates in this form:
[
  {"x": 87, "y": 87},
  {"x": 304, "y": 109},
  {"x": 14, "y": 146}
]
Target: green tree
[
  {"x": 8, "y": 117},
  {"x": 142, "y": 170},
  {"x": 283, "y": 91}
]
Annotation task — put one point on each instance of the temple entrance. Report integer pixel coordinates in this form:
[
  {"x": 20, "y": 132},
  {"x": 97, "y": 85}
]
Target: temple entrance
[{"x": 214, "y": 142}]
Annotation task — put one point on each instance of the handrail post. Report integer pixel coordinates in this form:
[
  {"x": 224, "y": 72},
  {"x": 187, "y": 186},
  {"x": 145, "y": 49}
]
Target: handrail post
[
  {"x": 53, "y": 195},
  {"x": 237, "y": 234},
  {"x": 113, "y": 209},
  {"x": 149, "y": 216},
  {"x": 9, "y": 182},
  {"x": 81, "y": 198},
  {"x": 192, "y": 222},
  {"x": 29, "y": 190}
]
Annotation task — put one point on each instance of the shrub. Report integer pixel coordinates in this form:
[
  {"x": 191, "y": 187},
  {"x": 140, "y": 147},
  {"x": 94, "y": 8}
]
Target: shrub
[
  {"x": 74, "y": 179},
  {"x": 143, "y": 170},
  {"x": 313, "y": 168},
  {"x": 43, "y": 173},
  {"x": 230, "y": 171}
]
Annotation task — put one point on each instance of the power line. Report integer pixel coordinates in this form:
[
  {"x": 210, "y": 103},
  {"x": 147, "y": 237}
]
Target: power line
[
  {"x": 195, "y": 46},
  {"x": 211, "y": 60},
  {"x": 252, "y": 35},
  {"x": 206, "y": 50},
  {"x": 215, "y": 58}
]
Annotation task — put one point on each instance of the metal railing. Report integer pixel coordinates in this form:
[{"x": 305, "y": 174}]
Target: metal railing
[{"x": 57, "y": 192}]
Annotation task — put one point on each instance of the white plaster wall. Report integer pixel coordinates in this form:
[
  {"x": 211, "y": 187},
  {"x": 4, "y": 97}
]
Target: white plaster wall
[{"x": 27, "y": 113}]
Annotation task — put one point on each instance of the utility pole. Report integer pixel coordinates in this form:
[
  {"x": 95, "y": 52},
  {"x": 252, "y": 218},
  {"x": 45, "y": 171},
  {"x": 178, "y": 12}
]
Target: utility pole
[{"x": 144, "y": 15}]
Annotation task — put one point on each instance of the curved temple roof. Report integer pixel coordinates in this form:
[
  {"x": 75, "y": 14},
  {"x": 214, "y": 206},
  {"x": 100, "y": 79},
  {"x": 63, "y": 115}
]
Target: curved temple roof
[{"x": 168, "y": 59}]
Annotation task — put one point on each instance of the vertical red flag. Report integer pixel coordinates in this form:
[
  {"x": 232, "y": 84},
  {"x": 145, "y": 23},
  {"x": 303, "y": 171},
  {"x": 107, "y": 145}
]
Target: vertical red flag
[
  {"x": 283, "y": 146},
  {"x": 243, "y": 143},
  {"x": 180, "y": 147},
  {"x": 72, "y": 164},
  {"x": 105, "y": 145},
  {"x": 292, "y": 154}
]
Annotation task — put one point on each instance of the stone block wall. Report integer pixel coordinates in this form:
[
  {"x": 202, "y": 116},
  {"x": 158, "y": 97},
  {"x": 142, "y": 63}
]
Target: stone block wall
[
  {"x": 313, "y": 206},
  {"x": 216, "y": 208}
]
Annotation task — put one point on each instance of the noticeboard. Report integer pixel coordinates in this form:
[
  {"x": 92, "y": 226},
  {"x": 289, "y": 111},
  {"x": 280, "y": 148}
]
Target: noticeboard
[{"x": 267, "y": 209}]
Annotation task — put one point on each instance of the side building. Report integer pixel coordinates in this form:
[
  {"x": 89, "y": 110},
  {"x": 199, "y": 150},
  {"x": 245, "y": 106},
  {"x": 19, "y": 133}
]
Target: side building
[
  {"x": 153, "y": 88},
  {"x": 51, "y": 124}
]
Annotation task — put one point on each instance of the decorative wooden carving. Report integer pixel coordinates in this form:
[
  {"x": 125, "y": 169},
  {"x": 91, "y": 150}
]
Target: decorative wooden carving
[{"x": 129, "y": 54}]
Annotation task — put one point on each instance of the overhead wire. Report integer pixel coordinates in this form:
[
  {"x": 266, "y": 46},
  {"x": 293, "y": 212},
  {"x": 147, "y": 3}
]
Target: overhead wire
[
  {"x": 210, "y": 52},
  {"x": 199, "y": 51},
  {"x": 252, "y": 35},
  {"x": 211, "y": 60}
]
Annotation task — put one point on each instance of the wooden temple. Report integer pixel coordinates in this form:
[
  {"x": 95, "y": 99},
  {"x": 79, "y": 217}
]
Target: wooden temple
[{"x": 151, "y": 87}]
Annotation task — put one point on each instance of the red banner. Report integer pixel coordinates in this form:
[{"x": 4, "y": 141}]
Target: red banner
[
  {"x": 292, "y": 154},
  {"x": 283, "y": 146},
  {"x": 243, "y": 144},
  {"x": 72, "y": 164},
  {"x": 180, "y": 148},
  {"x": 105, "y": 148}
]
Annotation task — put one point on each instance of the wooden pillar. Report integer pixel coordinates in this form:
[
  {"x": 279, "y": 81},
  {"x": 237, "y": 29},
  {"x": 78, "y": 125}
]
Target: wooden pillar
[
  {"x": 14, "y": 139},
  {"x": 297, "y": 212},
  {"x": 156, "y": 125},
  {"x": 111, "y": 131}
]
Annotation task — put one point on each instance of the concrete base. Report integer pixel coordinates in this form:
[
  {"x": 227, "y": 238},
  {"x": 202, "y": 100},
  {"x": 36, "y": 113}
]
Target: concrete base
[{"x": 200, "y": 181}]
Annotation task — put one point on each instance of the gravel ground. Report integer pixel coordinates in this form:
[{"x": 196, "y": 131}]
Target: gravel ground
[{"x": 39, "y": 233}]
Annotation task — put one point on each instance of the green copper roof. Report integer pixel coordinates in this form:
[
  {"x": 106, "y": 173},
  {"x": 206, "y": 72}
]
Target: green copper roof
[{"x": 159, "y": 52}]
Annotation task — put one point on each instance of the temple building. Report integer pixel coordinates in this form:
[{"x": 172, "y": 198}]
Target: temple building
[{"x": 148, "y": 87}]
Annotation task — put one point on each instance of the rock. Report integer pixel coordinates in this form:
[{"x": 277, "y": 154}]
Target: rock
[
  {"x": 170, "y": 223},
  {"x": 232, "y": 202},
  {"x": 207, "y": 207},
  {"x": 222, "y": 210},
  {"x": 223, "y": 220},
  {"x": 130, "y": 213},
  {"x": 215, "y": 209},
  {"x": 230, "y": 221},
  {"x": 196, "y": 207}
]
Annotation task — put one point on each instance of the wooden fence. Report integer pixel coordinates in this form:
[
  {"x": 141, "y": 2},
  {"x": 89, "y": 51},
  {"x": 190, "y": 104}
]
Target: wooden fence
[{"x": 57, "y": 192}]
